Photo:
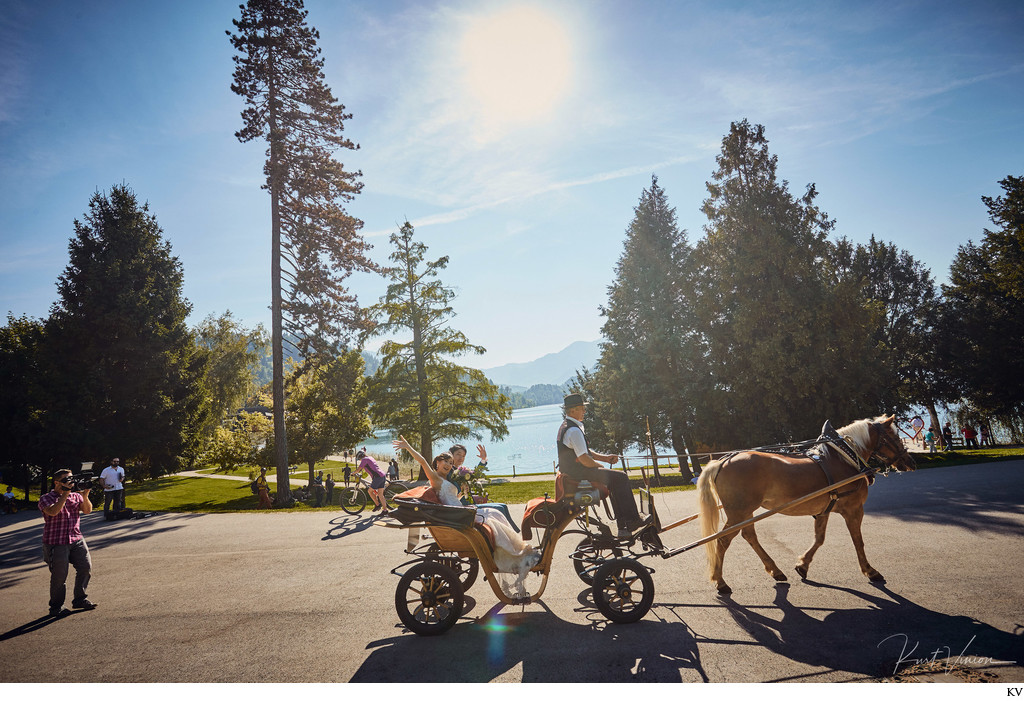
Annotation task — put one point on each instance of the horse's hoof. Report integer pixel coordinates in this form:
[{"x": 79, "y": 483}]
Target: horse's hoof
[
  {"x": 780, "y": 577},
  {"x": 876, "y": 577},
  {"x": 802, "y": 571},
  {"x": 724, "y": 590}
]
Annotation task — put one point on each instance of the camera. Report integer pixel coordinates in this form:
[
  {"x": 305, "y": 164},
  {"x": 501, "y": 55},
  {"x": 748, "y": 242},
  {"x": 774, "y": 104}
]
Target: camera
[{"x": 84, "y": 480}]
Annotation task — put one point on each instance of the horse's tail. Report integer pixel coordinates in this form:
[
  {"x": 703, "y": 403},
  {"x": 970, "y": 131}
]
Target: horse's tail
[{"x": 708, "y": 499}]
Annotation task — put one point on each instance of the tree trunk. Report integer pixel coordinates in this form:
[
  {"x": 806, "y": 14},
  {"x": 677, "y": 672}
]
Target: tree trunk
[
  {"x": 284, "y": 492},
  {"x": 936, "y": 427},
  {"x": 679, "y": 445},
  {"x": 654, "y": 452}
]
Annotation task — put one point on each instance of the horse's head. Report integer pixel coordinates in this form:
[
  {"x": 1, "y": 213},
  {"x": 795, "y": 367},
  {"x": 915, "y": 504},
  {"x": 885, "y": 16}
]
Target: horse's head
[{"x": 889, "y": 447}]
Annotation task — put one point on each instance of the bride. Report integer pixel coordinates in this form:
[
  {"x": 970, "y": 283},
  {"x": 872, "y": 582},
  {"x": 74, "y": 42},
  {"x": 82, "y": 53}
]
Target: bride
[{"x": 512, "y": 554}]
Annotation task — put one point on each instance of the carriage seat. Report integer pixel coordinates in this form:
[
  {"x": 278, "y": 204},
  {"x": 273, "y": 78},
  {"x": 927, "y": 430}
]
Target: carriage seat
[
  {"x": 436, "y": 513},
  {"x": 542, "y": 513},
  {"x": 568, "y": 486}
]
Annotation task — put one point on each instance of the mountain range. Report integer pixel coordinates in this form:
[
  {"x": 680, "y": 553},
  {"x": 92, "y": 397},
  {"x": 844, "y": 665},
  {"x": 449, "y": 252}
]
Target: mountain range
[{"x": 551, "y": 369}]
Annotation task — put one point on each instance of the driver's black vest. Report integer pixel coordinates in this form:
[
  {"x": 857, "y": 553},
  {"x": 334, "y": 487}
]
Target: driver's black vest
[{"x": 567, "y": 462}]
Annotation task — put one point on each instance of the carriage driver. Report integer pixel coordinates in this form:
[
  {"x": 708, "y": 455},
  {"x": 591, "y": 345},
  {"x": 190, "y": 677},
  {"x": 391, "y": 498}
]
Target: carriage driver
[{"x": 578, "y": 462}]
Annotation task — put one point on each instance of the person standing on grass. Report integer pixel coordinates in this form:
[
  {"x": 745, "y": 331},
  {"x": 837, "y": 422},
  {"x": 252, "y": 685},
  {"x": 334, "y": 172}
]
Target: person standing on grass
[
  {"x": 329, "y": 484},
  {"x": 263, "y": 489},
  {"x": 63, "y": 542},
  {"x": 113, "y": 488}
]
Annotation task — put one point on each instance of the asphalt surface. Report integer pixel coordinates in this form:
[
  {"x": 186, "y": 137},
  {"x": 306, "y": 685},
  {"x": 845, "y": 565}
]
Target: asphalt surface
[{"x": 309, "y": 597}]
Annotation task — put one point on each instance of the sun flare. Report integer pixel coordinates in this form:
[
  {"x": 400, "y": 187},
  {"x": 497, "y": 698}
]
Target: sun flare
[{"x": 517, "y": 65}]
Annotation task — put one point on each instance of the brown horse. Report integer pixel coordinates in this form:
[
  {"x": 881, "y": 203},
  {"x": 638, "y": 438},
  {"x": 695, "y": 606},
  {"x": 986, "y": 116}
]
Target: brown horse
[{"x": 749, "y": 480}]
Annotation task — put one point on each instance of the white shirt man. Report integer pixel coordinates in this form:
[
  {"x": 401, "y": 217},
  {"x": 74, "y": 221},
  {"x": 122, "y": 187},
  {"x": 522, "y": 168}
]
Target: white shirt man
[{"x": 113, "y": 488}]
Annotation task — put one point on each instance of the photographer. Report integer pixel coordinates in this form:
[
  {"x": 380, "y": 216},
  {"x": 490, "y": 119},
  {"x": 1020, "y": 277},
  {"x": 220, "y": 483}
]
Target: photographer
[{"x": 63, "y": 543}]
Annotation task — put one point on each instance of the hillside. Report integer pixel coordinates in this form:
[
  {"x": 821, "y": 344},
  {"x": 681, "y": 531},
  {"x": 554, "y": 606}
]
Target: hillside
[{"x": 551, "y": 369}]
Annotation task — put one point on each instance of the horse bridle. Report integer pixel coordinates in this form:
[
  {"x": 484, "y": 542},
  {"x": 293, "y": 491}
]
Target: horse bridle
[{"x": 897, "y": 450}]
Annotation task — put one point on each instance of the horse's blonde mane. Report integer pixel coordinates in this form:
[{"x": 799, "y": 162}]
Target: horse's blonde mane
[{"x": 860, "y": 433}]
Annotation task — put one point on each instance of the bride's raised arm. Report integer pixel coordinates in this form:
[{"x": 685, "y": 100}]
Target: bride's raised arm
[{"x": 402, "y": 444}]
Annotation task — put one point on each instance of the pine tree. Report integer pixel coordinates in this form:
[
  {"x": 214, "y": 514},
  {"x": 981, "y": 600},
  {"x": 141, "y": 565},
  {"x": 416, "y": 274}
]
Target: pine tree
[
  {"x": 127, "y": 377},
  {"x": 983, "y": 314},
  {"x": 787, "y": 346},
  {"x": 417, "y": 391},
  {"x": 647, "y": 365},
  {"x": 315, "y": 243}
]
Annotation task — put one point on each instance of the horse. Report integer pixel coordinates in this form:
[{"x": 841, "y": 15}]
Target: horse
[{"x": 747, "y": 480}]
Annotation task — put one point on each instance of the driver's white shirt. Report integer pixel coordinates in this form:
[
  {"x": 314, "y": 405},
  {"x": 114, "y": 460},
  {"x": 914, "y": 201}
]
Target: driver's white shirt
[{"x": 574, "y": 437}]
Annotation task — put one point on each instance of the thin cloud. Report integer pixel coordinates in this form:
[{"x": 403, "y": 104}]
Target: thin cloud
[{"x": 466, "y": 212}]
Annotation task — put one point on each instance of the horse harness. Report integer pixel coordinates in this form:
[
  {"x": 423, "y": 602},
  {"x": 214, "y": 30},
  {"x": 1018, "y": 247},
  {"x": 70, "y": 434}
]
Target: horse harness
[{"x": 831, "y": 439}]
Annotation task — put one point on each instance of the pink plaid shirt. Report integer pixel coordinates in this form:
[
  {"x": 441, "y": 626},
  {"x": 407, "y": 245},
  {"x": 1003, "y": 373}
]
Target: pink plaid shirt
[{"x": 65, "y": 527}]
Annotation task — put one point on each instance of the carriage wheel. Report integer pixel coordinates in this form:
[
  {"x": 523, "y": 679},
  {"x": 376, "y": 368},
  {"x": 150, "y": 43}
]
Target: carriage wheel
[
  {"x": 353, "y": 500},
  {"x": 589, "y": 554},
  {"x": 429, "y": 598},
  {"x": 623, "y": 590},
  {"x": 466, "y": 567},
  {"x": 392, "y": 491}
]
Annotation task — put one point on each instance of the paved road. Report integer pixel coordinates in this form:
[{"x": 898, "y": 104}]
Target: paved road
[{"x": 308, "y": 597}]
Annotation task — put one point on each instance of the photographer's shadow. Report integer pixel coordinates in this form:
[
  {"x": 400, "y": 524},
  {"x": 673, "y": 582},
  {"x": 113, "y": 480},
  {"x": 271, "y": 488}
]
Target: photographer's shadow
[{"x": 38, "y": 623}]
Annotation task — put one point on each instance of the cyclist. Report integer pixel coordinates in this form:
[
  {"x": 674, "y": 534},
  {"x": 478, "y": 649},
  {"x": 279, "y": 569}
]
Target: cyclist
[{"x": 377, "y": 480}]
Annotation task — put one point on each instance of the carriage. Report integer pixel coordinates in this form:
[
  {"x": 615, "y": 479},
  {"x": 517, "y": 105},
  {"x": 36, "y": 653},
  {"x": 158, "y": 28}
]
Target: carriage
[{"x": 449, "y": 549}]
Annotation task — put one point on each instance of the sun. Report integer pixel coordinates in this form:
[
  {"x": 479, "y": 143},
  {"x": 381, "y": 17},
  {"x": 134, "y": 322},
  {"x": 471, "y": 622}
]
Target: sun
[{"x": 517, "y": 65}]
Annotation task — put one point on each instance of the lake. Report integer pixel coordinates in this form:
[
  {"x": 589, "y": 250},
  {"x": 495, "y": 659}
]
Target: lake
[{"x": 529, "y": 446}]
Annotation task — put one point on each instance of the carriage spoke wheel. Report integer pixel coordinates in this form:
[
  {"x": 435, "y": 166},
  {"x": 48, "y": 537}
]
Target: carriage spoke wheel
[
  {"x": 392, "y": 491},
  {"x": 623, "y": 590},
  {"x": 589, "y": 555},
  {"x": 466, "y": 567},
  {"x": 353, "y": 500},
  {"x": 429, "y": 598}
]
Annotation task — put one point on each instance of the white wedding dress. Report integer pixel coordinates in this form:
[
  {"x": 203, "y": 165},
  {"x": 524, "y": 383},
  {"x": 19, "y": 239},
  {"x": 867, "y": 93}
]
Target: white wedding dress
[{"x": 512, "y": 555}]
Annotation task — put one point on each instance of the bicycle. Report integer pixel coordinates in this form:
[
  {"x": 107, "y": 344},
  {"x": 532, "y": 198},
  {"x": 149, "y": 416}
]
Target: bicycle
[{"x": 354, "y": 498}]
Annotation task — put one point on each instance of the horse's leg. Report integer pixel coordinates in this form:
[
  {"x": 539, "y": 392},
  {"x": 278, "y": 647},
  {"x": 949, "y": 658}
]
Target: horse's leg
[
  {"x": 722, "y": 544},
  {"x": 750, "y": 535},
  {"x": 804, "y": 563},
  {"x": 853, "y": 520}
]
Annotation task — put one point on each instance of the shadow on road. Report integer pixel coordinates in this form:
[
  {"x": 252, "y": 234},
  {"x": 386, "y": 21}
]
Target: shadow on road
[
  {"x": 992, "y": 502},
  {"x": 22, "y": 550},
  {"x": 342, "y": 526},
  {"x": 873, "y": 642},
  {"x": 644, "y": 651},
  {"x": 892, "y": 633}
]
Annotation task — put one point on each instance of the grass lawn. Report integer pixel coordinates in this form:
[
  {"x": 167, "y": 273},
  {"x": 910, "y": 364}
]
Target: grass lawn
[{"x": 206, "y": 495}]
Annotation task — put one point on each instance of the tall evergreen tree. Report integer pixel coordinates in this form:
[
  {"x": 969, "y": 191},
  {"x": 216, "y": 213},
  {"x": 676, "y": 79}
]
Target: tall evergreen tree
[
  {"x": 786, "y": 349},
  {"x": 647, "y": 365},
  {"x": 418, "y": 391},
  {"x": 23, "y": 400},
  {"x": 127, "y": 375},
  {"x": 901, "y": 289},
  {"x": 983, "y": 314},
  {"x": 315, "y": 243}
]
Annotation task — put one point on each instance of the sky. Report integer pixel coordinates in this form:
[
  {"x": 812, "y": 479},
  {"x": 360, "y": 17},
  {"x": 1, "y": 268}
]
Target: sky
[{"x": 516, "y": 137}]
